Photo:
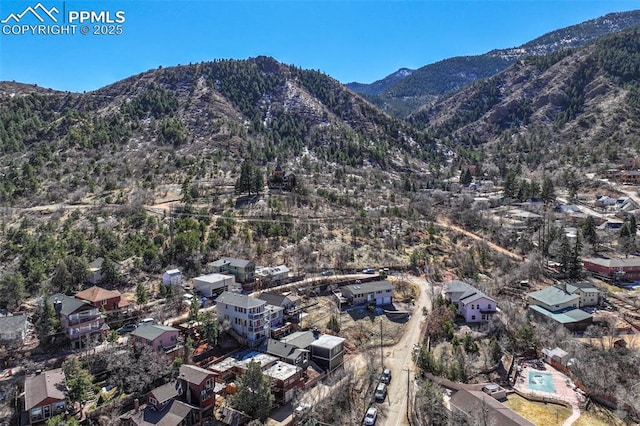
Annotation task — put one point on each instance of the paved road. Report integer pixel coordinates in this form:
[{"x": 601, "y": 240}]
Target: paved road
[{"x": 398, "y": 360}]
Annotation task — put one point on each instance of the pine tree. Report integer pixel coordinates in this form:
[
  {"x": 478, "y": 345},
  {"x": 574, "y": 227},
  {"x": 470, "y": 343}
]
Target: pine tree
[
  {"x": 142, "y": 296},
  {"x": 77, "y": 379},
  {"x": 589, "y": 232},
  {"x": 48, "y": 323},
  {"x": 254, "y": 397},
  {"x": 548, "y": 192}
]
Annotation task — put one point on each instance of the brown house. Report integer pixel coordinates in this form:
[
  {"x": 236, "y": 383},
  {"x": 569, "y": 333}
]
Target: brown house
[
  {"x": 44, "y": 396},
  {"x": 198, "y": 385},
  {"x": 99, "y": 297}
]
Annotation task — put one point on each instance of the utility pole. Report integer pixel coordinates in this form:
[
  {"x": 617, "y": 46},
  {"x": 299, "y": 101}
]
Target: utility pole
[
  {"x": 381, "y": 353},
  {"x": 408, "y": 398}
]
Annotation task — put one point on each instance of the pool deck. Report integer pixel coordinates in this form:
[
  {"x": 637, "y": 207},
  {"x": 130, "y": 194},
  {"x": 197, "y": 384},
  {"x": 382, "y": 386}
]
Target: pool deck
[{"x": 563, "y": 391}]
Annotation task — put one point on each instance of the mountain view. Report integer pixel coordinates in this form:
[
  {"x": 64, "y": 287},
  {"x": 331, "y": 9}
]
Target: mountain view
[
  {"x": 251, "y": 242},
  {"x": 401, "y": 96}
]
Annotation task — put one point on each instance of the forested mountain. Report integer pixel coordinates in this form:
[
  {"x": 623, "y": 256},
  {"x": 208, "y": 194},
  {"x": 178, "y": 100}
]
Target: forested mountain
[
  {"x": 146, "y": 126},
  {"x": 434, "y": 80},
  {"x": 578, "y": 107}
]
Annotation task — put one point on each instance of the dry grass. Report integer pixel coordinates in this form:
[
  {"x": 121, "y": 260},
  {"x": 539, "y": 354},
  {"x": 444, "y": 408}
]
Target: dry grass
[
  {"x": 538, "y": 412},
  {"x": 599, "y": 416}
]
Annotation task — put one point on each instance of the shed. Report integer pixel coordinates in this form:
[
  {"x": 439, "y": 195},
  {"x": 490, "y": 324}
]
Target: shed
[{"x": 172, "y": 277}]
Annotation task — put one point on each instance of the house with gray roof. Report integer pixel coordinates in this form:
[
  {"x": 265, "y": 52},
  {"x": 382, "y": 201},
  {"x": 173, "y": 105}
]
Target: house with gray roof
[
  {"x": 159, "y": 337},
  {"x": 371, "y": 293},
  {"x": 286, "y": 352},
  {"x": 79, "y": 318},
  {"x": 243, "y": 270},
  {"x": 13, "y": 330},
  {"x": 562, "y": 304},
  {"x": 44, "y": 396},
  {"x": 245, "y": 316},
  {"x": 300, "y": 339},
  {"x": 472, "y": 304}
]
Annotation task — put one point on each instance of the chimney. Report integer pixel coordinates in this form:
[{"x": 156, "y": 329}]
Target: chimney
[
  {"x": 57, "y": 305},
  {"x": 136, "y": 404}
]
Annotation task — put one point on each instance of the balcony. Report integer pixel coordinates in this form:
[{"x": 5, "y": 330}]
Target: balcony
[
  {"x": 257, "y": 316},
  {"x": 79, "y": 319},
  {"x": 75, "y": 331}
]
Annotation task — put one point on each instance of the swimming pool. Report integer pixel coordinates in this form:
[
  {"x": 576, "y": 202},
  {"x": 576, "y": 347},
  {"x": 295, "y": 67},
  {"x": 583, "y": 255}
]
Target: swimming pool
[{"x": 541, "y": 381}]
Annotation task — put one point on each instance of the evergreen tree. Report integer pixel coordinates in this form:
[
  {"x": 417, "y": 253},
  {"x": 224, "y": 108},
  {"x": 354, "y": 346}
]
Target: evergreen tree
[
  {"x": 12, "y": 290},
  {"x": 574, "y": 270},
  {"x": 565, "y": 255},
  {"x": 548, "y": 192},
  {"x": 194, "y": 309},
  {"x": 48, "y": 323},
  {"x": 209, "y": 328},
  {"x": 466, "y": 178},
  {"x": 589, "y": 232},
  {"x": 254, "y": 397},
  {"x": 77, "y": 379},
  {"x": 334, "y": 324},
  {"x": 142, "y": 296},
  {"x": 110, "y": 273}
]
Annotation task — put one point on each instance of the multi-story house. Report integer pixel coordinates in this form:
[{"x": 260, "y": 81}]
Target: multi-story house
[
  {"x": 198, "y": 385},
  {"x": 243, "y": 270},
  {"x": 162, "y": 407},
  {"x": 79, "y": 318},
  {"x": 44, "y": 396},
  {"x": 328, "y": 352},
  {"x": 472, "y": 304},
  {"x": 109, "y": 300},
  {"x": 245, "y": 315}
]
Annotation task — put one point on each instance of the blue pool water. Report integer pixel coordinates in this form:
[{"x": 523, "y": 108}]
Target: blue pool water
[{"x": 541, "y": 381}]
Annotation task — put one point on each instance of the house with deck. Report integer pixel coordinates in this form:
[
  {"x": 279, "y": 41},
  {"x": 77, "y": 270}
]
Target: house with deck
[
  {"x": 243, "y": 270},
  {"x": 159, "y": 337},
  {"x": 371, "y": 293},
  {"x": 108, "y": 300},
  {"x": 79, "y": 318},
  {"x": 245, "y": 316},
  {"x": 198, "y": 385}
]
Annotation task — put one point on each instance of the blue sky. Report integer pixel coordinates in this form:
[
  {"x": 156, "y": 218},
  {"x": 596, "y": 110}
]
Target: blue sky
[{"x": 349, "y": 40}]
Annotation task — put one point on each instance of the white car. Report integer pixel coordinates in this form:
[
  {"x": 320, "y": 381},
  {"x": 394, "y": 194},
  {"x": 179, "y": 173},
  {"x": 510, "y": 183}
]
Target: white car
[{"x": 370, "y": 417}]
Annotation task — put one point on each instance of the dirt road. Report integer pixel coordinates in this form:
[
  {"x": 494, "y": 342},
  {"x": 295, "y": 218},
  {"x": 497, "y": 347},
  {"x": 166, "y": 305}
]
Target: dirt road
[
  {"x": 491, "y": 245},
  {"x": 398, "y": 359}
]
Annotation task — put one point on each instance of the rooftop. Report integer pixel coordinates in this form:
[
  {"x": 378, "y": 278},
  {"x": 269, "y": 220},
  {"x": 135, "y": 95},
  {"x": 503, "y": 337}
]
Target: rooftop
[
  {"x": 281, "y": 371},
  {"x": 12, "y": 324},
  {"x": 240, "y": 300},
  {"x": 48, "y": 384},
  {"x": 69, "y": 304},
  {"x": 614, "y": 263},
  {"x": 166, "y": 392},
  {"x": 214, "y": 278},
  {"x": 300, "y": 339},
  {"x": 459, "y": 291},
  {"x": 553, "y": 296},
  {"x": 194, "y": 374},
  {"x": 97, "y": 294},
  {"x": 173, "y": 415},
  {"x": 566, "y": 317},
  {"x": 366, "y": 288},
  {"x": 479, "y": 404},
  {"x": 238, "y": 263},
  {"x": 328, "y": 341},
  {"x": 151, "y": 331}
]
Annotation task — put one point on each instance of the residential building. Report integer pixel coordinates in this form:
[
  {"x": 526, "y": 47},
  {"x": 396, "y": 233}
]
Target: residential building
[
  {"x": 480, "y": 408},
  {"x": 13, "y": 330},
  {"x": 172, "y": 277},
  {"x": 616, "y": 269},
  {"x": 288, "y": 301},
  {"x": 555, "y": 355},
  {"x": 198, "y": 385},
  {"x": 79, "y": 318},
  {"x": 162, "y": 408},
  {"x": 213, "y": 284},
  {"x": 371, "y": 293},
  {"x": 554, "y": 299},
  {"x": 245, "y": 315},
  {"x": 575, "y": 320},
  {"x": 109, "y": 300},
  {"x": 237, "y": 364},
  {"x": 274, "y": 315},
  {"x": 284, "y": 379},
  {"x": 328, "y": 352},
  {"x": 272, "y": 275},
  {"x": 287, "y": 352},
  {"x": 94, "y": 271},
  {"x": 300, "y": 339},
  {"x": 44, "y": 396},
  {"x": 472, "y": 304},
  {"x": 243, "y": 270},
  {"x": 159, "y": 337}
]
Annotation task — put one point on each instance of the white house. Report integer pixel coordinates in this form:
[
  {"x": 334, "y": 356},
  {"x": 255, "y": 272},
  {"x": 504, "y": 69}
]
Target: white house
[
  {"x": 172, "y": 277},
  {"x": 213, "y": 284},
  {"x": 245, "y": 315},
  {"x": 375, "y": 293},
  {"x": 472, "y": 304}
]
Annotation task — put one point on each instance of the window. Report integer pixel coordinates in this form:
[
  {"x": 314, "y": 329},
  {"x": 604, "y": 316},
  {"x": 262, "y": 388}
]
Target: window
[
  {"x": 489, "y": 306},
  {"x": 209, "y": 383},
  {"x": 473, "y": 317},
  {"x": 59, "y": 407},
  {"x": 103, "y": 302},
  {"x": 153, "y": 401}
]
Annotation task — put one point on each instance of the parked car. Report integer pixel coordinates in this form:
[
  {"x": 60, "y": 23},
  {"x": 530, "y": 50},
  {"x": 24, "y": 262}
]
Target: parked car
[
  {"x": 381, "y": 392},
  {"x": 386, "y": 376},
  {"x": 127, "y": 328},
  {"x": 146, "y": 321},
  {"x": 369, "y": 271},
  {"x": 370, "y": 417}
]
